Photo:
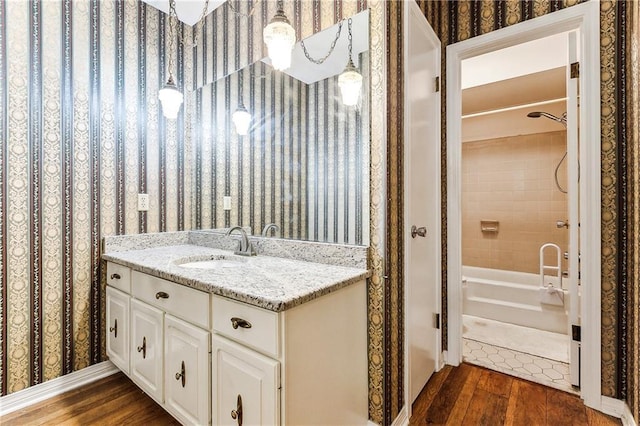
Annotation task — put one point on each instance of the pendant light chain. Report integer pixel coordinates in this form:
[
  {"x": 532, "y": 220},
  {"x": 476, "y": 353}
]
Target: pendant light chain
[
  {"x": 244, "y": 15},
  {"x": 198, "y": 27},
  {"x": 172, "y": 34},
  {"x": 200, "y": 24},
  {"x": 333, "y": 46},
  {"x": 350, "y": 39}
]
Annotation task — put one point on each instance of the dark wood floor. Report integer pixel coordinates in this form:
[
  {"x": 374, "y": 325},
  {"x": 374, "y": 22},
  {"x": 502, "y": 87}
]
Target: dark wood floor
[
  {"x": 464, "y": 395},
  {"x": 471, "y": 395},
  {"x": 114, "y": 400}
]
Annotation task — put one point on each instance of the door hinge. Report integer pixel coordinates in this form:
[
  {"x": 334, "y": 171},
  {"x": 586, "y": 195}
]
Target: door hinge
[
  {"x": 575, "y": 70},
  {"x": 436, "y": 321},
  {"x": 437, "y": 84},
  {"x": 576, "y": 332}
]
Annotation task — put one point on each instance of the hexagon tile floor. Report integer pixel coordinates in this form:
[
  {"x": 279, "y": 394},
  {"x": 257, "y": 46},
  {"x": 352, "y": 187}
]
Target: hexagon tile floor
[{"x": 545, "y": 371}]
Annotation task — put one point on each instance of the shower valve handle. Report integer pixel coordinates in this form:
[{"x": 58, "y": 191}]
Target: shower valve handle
[
  {"x": 562, "y": 224},
  {"x": 420, "y": 232}
]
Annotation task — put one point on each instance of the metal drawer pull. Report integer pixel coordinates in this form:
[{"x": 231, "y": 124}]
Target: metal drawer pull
[
  {"x": 181, "y": 374},
  {"x": 162, "y": 295},
  {"x": 143, "y": 348},
  {"x": 115, "y": 276},
  {"x": 114, "y": 329},
  {"x": 237, "y": 413},
  {"x": 239, "y": 322}
]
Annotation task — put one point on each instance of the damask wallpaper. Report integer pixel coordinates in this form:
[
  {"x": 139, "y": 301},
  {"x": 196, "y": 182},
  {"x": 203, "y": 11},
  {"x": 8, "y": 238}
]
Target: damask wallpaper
[{"x": 82, "y": 134}]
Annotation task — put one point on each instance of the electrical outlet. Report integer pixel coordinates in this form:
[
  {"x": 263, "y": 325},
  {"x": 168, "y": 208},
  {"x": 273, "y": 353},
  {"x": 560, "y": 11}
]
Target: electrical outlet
[
  {"x": 143, "y": 202},
  {"x": 226, "y": 202}
]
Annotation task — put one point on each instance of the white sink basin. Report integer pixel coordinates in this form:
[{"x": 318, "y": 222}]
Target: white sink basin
[{"x": 212, "y": 262}]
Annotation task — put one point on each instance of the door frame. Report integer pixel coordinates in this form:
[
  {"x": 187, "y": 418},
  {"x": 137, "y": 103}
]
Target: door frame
[
  {"x": 584, "y": 17},
  {"x": 412, "y": 8}
]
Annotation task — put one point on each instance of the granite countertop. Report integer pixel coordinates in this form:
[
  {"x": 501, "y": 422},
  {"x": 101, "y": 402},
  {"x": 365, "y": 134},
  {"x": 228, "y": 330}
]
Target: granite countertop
[{"x": 273, "y": 283}]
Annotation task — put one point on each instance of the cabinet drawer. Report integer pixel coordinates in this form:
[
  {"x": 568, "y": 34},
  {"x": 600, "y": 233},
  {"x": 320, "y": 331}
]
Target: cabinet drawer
[
  {"x": 256, "y": 327},
  {"x": 119, "y": 276},
  {"x": 184, "y": 302}
]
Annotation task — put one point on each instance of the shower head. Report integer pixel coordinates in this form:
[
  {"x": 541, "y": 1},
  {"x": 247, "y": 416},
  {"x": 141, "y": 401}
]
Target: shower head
[{"x": 538, "y": 114}]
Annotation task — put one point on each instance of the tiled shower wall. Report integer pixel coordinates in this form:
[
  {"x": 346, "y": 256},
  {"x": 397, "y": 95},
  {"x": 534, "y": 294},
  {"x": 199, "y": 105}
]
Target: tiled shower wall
[{"x": 511, "y": 180}]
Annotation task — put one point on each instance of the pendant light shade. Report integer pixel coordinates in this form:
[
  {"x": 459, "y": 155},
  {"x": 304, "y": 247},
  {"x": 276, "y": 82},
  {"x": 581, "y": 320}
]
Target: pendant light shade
[
  {"x": 171, "y": 99},
  {"x": 279, "y": 36},
  {"x": 350, "y": 83},
  {"x": 241, "y": 119}
]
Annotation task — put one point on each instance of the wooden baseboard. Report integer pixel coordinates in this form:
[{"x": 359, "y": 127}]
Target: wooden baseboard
[{"x": 37, "y": 393}]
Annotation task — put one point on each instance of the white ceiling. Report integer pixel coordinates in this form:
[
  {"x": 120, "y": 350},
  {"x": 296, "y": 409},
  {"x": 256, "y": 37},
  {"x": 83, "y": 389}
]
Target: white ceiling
[
  {"x": 188, "y": 11},
  {"x": 500, "y": 88},
  {"x": 526, "y": 58}
]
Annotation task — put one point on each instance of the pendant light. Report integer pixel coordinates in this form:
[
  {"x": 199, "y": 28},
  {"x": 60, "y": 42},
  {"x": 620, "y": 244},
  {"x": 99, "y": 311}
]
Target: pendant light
[
  {"x": 279, "y": 36},
  {"x": 241, "y": 117},
  {"x": 170, "y": 97},
  {"x": 350, "y": 81}
]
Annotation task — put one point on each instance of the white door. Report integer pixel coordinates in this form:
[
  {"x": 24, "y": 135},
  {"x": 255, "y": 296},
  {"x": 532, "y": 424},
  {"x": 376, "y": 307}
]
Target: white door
[
  {"x": 244, "y": 385},
  {"x": 573, "y": 191},
  {"x": 186, "y": 373},
  {"x": 422, "y": 197},
  {"x": 147, "y": 348},
  {"x": 118, "y": 328}
]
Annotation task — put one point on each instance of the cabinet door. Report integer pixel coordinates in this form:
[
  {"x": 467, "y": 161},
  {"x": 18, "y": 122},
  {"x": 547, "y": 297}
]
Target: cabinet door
[
  {"x": 118, "y": 328},
  {"x": 187, "y": 369},
  {"x": 244, "y": 383},
  {"x": 147, "y": 348}
]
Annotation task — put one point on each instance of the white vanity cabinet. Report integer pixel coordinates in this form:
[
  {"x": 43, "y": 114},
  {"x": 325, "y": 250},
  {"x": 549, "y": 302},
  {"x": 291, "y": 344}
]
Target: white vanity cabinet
[
  {"x": 147, "y": 348},
  {"x": 245, "y": 385},
  {"x": 118, "y": 328},
  {"x": 207, "y": 359},
  {"x": 186, "y": 371},
  {"x": 162, "y": 341},
  {"x": 305, "y": 365}
]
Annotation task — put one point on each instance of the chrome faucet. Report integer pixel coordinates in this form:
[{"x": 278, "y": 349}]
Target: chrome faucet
[
  {"x": 244, "y": 247},
  {"x": 268, "y": 227}
]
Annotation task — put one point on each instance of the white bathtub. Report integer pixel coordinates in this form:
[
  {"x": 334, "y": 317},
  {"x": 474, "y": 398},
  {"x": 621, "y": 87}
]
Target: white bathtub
[{"x": 511, "y": 297}]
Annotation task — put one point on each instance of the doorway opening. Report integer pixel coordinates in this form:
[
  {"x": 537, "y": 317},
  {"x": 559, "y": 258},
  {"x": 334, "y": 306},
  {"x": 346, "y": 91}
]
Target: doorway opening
[
  {"x": 505, "y": 124},
  {"x": 515, "y": 300}
]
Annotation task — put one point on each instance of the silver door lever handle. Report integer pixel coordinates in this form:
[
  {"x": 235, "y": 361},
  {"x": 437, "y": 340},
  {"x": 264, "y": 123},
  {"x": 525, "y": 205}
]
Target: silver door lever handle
[{"x": 421, "y": 232}]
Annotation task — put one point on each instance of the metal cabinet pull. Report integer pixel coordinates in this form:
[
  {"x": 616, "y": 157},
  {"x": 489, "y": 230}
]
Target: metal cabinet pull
[
  {"x": 143, "y": 348},
  {"x": 181, "y": 374},
  {"x": 162, "y": 295},
  {"x": 115, "y": 276},
  {"x": 114, "y": 329},
  {"x": 239, "y": 322},
  {"x": 237, "y": 413}
]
